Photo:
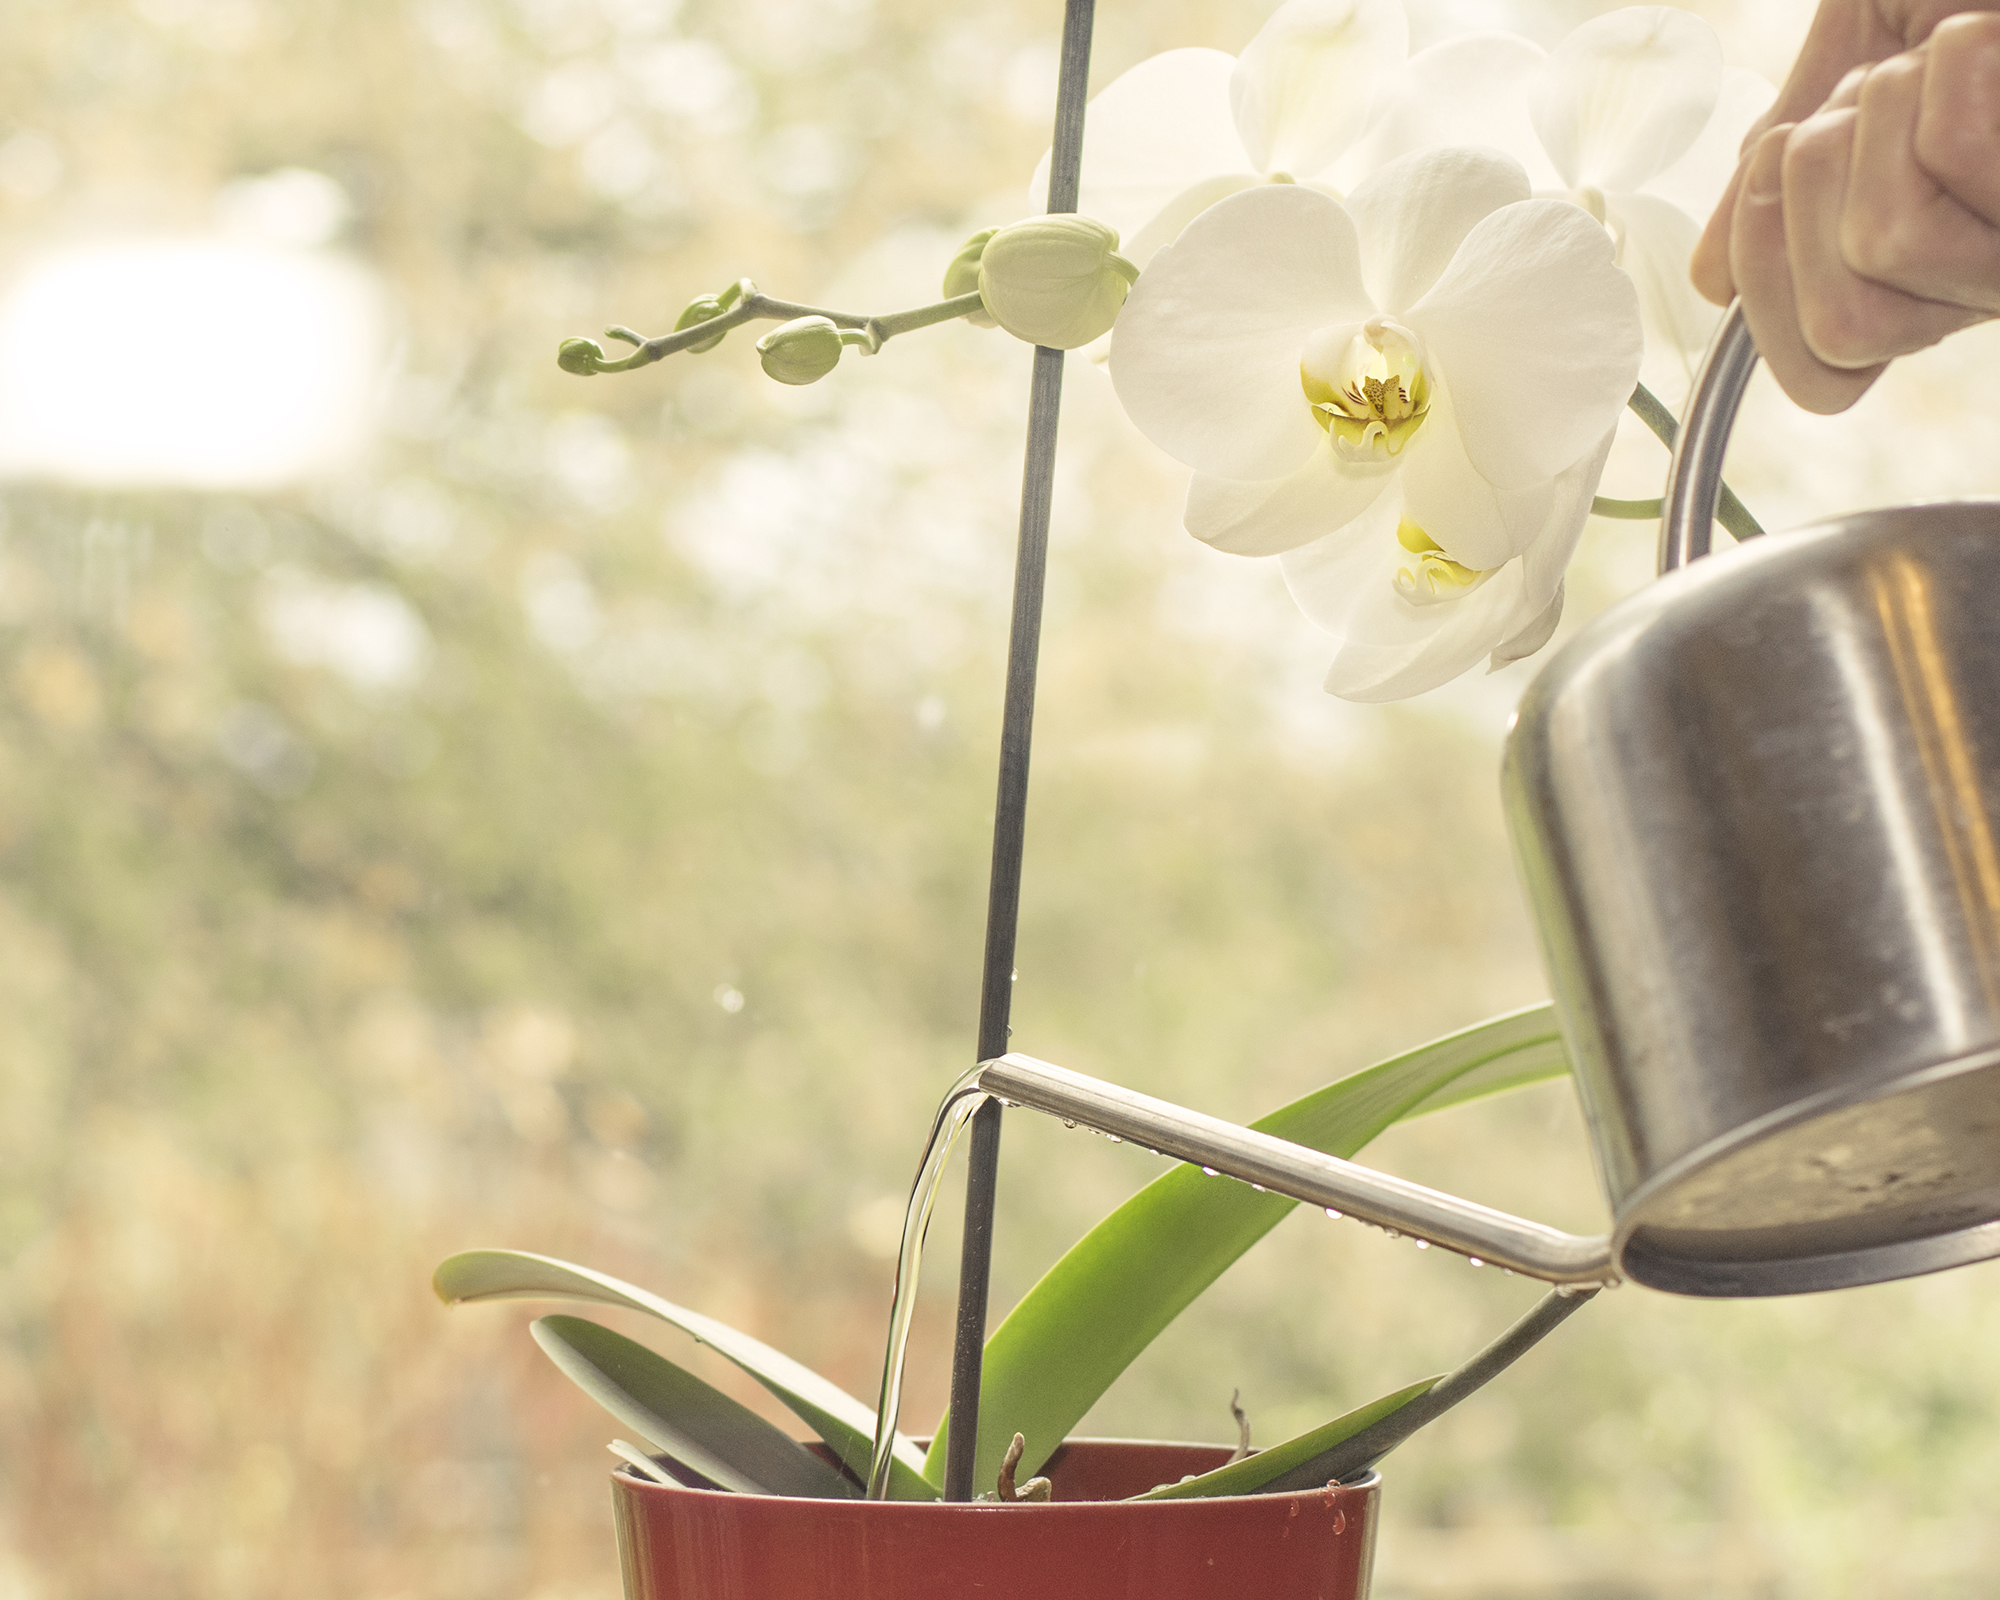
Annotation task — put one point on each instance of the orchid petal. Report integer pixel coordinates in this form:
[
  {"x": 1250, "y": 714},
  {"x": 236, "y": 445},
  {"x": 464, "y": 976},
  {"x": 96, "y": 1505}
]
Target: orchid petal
[
  {"x": 1474, "y": 523},
  {"x": 1695, "y": 182},
  {"x": 1151, "y": 132},
  {"x": 1529, "y": 639},
  {"x": 1205, "y": 355},
  {"x": 1265, "y": 517},
  {"x": 1624, "y": 96},
  {"x": 1304, "y": 87},
  {"x": 1656, "y": 240},
  {"x": 1414, "y": 214},
  {"x": 1472, "y": 90},
  {"x": 1537, "y": 333},
  {"x": 1178, "y": 212},
  {"x": 1548, "y": 557},
  {"x": 1386, "y": 648}
]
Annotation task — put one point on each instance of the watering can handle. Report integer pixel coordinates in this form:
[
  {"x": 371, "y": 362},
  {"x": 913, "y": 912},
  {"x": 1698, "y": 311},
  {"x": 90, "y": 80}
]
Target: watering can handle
[{"x": 1694, "y": 481}]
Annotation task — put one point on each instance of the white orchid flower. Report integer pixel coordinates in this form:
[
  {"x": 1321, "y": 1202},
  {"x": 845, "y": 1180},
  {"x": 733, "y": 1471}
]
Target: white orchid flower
[
  {"x": 1183, "y": 129},
  {"x": 1419, "y": 383},
  {"x": 1633, "y": 116}
]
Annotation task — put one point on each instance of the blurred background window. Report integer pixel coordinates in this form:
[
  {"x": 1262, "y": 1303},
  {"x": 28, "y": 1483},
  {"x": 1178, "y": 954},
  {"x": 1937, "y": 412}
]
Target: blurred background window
[{"x": 445, "y": 802}]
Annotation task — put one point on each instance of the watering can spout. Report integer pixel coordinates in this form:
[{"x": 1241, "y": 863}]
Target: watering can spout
[{"x": 1301, "y": 1173}]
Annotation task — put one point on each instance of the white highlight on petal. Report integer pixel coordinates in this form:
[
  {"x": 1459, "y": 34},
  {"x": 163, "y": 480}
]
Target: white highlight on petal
[
  {"x": 1531, "y": 638},
  {"x": 1537, "y": 334},
  {"x": 1178, "y": 212},
  {"x": 1625, "y": 95},
  {"x": 1468, "y": 91},
  {"x": 1270, "y": 516},
  {"x": 1385, "y": 647},
  {"x": 1151, "y": 133},
  {"x": 1655, "y": 242},
  {"x": 1475, "y": 524},
  {"x": 1205, "y": 355},
  {"x": 1548, "y": 557},
  {"x": 1695, "y": 182},
  {"x": 1304, "y": 87},
  {"x": 1414, "y": 214}
]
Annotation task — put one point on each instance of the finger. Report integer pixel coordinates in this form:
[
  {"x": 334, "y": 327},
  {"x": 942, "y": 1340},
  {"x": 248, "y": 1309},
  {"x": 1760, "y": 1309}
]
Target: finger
[
  {"x": 1847, "y": 320},
  {"x": 1958, "y": 129},
  {"x": 1843, "y": 35},
  {"x": 1763, "y": 275},
  {"x": 1898, "y": 226},
  {"x": 1846, "y": 93},
  {"x": 1709, "y": 265}
]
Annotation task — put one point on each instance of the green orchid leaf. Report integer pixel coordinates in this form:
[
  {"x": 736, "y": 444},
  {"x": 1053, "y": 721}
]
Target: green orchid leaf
[
  {"x": 1253, "y": 1472},
  {"x": 1131, "y": 1275},
  {"x": 676, "y": 1412},
  {"x": 843, "y": 1422}
]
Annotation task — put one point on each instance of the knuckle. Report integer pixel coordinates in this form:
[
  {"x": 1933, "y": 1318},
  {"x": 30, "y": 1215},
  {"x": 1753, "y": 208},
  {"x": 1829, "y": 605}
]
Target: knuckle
[
  {"x": 1838, "y": 331},
  {"x": 1971, "y": 31},
  {"x": 1957, "y": 148},
  {"x": 1885, "y": 244}
]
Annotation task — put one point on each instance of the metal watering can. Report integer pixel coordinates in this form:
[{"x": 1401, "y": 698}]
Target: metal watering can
[{"x": 1756, "y": 808}]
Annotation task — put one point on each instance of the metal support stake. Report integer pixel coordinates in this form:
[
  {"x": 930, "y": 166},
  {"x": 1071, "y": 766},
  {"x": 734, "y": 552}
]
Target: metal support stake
[{"x": 1010, "y": 813}]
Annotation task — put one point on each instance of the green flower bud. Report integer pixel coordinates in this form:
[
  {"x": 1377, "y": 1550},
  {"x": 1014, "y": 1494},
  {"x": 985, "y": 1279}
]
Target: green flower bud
[
  {"x": 803, "y": 350},
  {"x": 962, "y": 276},
  {"x": 1056, "y": 281},
  {"x": 702, "y": 308},
  {"x": 580, "y": 356}
]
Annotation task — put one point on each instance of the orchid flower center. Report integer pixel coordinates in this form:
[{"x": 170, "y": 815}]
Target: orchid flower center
[
  {"x": 1366, "y": 386},
  {"x": 1431, "y": 577}
]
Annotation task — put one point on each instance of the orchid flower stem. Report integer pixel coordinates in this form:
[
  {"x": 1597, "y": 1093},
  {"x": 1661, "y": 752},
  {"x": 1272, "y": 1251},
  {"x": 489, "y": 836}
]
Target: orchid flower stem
[
  {"x": 1628, "y": 510},
  {"x": 744, "y": 302},
  {"x": 1731, "y": 512},
  {"x": 1355, "y": 1455}
]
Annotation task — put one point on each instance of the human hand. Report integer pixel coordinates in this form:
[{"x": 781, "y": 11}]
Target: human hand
[{"x": 1870, "y": 228}]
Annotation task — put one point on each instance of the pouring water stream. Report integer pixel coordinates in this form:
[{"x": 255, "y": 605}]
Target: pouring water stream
[{"x": 964, "y": 1099}]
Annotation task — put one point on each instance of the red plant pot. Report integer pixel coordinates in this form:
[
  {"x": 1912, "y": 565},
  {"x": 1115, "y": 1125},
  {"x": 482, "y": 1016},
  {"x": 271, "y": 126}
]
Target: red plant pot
[{"x": 1089, "y": 1544}]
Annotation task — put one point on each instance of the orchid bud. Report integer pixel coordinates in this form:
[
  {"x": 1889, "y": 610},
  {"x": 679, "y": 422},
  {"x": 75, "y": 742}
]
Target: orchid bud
[
  {"x": 580, "y": 356},
  {"x": 803, "y": 350},
  {"x": 962, "y": 276},
  {"x": 702, "y": 308},
  {"x": 1056, "y": 281}
]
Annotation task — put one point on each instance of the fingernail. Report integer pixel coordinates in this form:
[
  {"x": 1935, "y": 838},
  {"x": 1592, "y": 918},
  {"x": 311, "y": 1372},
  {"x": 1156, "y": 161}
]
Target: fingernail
[{"x": 1764, "y": 178}]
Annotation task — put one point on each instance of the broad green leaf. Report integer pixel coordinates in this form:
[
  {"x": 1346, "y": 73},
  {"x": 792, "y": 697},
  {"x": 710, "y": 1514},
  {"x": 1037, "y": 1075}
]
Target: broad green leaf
[
  {"x": 847, "y": 1426},
  {"x": 674, "y": 1411},
  {"x": 1253, "y": 1472},
  {"x": 1131, "y": 1275}
]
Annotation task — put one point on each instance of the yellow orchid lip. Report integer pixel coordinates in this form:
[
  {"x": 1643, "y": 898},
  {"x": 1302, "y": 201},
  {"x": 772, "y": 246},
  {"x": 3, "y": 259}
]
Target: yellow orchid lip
[
  {"x": 1433, "y": 576},
  {"x": 1367, "y": 388}
]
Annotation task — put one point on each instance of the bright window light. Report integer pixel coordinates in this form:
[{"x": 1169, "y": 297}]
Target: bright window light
[{"x": 203, "y": 363}]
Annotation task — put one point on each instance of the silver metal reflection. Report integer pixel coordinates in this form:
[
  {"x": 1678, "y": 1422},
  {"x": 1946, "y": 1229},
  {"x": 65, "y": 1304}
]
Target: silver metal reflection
[
  {"x": 1300, "y": 1173},
  {"x": 1756, "y": 808}
]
